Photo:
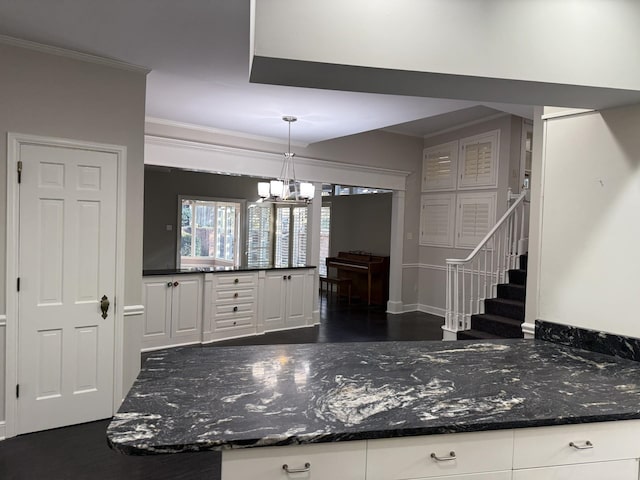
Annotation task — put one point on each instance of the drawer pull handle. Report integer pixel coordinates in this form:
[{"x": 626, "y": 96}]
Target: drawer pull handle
[
  {"x": 307, "y": 467},
  {"x": 452, "y": 456},
  {"x": 235, "y": 309},
  {"x": 235, "y": 295},
  {"x": 587, "y": 445},
  {"x": 236, "y": 280}
]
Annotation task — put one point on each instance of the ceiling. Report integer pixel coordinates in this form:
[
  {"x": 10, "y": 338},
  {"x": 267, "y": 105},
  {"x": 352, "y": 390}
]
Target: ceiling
[{"x": 198, "y": 53}]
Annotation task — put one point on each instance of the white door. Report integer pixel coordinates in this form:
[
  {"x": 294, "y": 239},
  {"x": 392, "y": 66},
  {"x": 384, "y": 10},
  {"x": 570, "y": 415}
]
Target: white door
[{"x": 66, "y": 264}]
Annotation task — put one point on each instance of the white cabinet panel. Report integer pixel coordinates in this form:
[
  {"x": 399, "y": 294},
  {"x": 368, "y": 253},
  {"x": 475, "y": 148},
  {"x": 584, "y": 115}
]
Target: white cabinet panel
[
  {"x": 233, "y": 305},
  {"x": 296, "y": 299},
  {"x": 186, "y": 308},
  {"x": 415, "y": 457},
  {"x": 156, "y": 298},
  {"x": 618, "y": 470},
  {"x": 548, "y": 446},
  {"x": 287, "y": 299},
  {"x": 504, "y": 475},
  {"x": 343, "y": 461},
  {"x": 274, "y": 300}
]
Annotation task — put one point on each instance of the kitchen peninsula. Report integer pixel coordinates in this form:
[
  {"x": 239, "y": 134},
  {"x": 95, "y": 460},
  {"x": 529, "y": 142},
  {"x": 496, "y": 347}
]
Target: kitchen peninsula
[
  {"x": 521, "y": 409},
  {"x": 203, "y": 305}
]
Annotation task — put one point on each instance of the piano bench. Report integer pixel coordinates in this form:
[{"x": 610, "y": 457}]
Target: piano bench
[{"x": 340, "y": 283}]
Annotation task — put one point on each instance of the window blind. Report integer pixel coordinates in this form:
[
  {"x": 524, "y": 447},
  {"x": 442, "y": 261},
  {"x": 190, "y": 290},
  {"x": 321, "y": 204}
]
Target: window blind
[{"x": 259, "y": 238}]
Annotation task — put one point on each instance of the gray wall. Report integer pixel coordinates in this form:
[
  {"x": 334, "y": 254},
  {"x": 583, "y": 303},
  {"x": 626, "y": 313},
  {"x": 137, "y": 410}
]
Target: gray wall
[
  {"x": 49, "y": 95},
  {"x": 432, "y": 279},
  {"x": 360, "y": 222},
  {"x": 162, "y": 187}
]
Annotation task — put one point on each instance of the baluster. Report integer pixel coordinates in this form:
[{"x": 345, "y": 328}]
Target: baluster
[
  {"x": 456, "y": 293},
  {"x": 463, "y": 299},
  {"x": 521, "y": 226}
]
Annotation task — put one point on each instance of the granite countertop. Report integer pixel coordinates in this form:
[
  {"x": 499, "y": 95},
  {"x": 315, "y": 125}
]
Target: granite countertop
[
  {"x": 219, "y": 269},
  {"x": 215, "y": 398}
]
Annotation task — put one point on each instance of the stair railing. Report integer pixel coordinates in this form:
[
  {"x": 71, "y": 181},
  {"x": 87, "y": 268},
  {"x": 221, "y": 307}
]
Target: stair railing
[{"x": 475, "y": 278}]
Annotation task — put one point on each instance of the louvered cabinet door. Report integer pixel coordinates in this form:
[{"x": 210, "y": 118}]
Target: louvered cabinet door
[
  {"x": 440, "y": 167},
  {"x": 478, "y": 161},
  {"x": 476, "y": 215},
  {"x": 437, "y": 214}
]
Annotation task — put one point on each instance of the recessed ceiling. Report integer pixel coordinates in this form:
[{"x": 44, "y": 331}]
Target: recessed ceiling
[{"x": 198, "y": 51}]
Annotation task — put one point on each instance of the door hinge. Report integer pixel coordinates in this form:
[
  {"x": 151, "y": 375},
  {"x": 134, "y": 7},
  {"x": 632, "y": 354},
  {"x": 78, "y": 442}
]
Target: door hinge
[
  {"x": 19, "y": 171},
  {"x": 17, "y": 390},
  {"x": 18, "y": 284}
]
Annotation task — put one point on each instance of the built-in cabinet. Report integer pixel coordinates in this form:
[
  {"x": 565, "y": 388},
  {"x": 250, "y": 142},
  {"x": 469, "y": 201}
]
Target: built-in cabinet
[
  {"x": 185, "y": 308},
  {"x": 173, "y": 310},
  {"x": 286, "y": 299},
  {"x": 592, "y": 451}
]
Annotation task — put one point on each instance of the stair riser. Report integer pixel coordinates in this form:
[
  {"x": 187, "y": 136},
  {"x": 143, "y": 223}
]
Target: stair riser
[
  {"x": 496, "y": 328},
  {"x": 505, "y": 310},
  {"x": 511, "y": 292},
  {"x": 523, "y": 262},
  {"x": 463, "y": 335},
  {"x": 519, "y": 277}
]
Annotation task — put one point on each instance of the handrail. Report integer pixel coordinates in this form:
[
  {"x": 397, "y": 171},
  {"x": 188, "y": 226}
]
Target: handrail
[
  {"x": 459, "y": 261},
  {"x": 472, "y": 280}
]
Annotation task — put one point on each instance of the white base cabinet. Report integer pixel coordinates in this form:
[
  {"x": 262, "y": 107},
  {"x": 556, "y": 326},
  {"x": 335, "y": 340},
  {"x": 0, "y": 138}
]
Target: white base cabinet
[
  {"x": 173, "y": 310},
  {"x": 287, "y": 299},
  {"x": 591, "y": 451}
]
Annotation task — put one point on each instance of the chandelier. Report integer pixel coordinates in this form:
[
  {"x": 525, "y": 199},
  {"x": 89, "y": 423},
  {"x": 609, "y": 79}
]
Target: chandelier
[{"x": 286, "y": 186}]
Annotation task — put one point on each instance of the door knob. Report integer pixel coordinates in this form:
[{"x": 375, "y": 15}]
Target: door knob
[{"x": 104, "y": 306}]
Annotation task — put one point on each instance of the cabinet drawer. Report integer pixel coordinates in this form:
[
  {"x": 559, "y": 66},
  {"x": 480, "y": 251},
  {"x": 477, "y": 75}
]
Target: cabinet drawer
[
  {"x": 339, "y": 461},
  {"x": 244, "y": 295},
  {"x": 413, "y": 457},
  {"x": 230, "y": 280},
  {"x": 504, "y": 475},
  {"x": 234, "y": 322},
  {"x": 616, "y": 470},
  {"x": 233, "y": 309},
  {"x": 548, "y": 446}
]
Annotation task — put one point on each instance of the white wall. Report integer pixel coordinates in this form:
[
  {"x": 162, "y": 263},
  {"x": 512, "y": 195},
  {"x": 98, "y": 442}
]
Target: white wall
[
  {"x": 535, "y": 52},
  {"x": 590, "y": 230},
  {"x": 50, "y": 95}
]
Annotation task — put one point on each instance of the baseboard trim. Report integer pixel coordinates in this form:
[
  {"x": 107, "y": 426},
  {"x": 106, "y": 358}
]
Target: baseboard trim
[
  {"x": 395, "y": 307},
  {"x": 3, "y": 430},
  {"x": 315, "y": 317},
  {"x": 529, "y": 330},
  {"x": 130, "y": 310},
  {"x": 173, "y": 345},
  {"x": 420, "y": 307}
]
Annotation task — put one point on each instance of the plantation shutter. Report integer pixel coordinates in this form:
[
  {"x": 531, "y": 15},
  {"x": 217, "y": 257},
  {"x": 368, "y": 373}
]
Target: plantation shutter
[
  {"x": 440, "y": 167},
  {"x": 283, "y": 215},
  {"x": 476, "y": 216},
  {"x": 259, "y": 237},
  {"x": 437, "y": 220},
  {"x": 299, "y": 250},
  {"x": 325, "y": 225},
  {"x": 479, "y": 161}
]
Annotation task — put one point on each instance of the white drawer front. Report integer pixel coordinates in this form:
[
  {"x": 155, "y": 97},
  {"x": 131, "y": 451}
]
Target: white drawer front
[
  {"x": 235, "y": 295},
  {"x": 616, "y": 470},
  {"x": 231, "y": 280},
  {"x": 233, "y": 310},
  {"x": 327, "y": 461},
  {"x": 411, "y": 457},
  {"x": 504, "y": 475},
  {"x": 239, "y": 321},
  {"x": 548, "y": 446}
]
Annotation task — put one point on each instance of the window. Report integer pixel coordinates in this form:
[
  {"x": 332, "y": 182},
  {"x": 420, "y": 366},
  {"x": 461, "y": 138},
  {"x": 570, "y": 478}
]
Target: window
[
  {"x": 325, "y": 225},
  {"x": 276, "y": 235},
  {"x": 478, "y": 164},
  {"x": 440, "y": 167},
  {"x": 437, "y": 220},
  {"x": 259, "y": 235},
  {"x": 209, "y": 232}
]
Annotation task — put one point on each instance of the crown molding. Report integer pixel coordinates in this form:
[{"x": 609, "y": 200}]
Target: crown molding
[
  {"x": 219, "y": 131},
  {"x": 495, "y": 116},
  {"x": 73, "y": 54}
]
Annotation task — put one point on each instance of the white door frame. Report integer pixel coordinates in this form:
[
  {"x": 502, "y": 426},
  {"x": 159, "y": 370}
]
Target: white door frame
[{"x": 14, "y": 142}]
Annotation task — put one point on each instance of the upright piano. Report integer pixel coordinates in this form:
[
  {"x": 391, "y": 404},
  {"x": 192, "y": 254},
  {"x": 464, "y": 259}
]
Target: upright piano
[{"x": 369, "y": 274}]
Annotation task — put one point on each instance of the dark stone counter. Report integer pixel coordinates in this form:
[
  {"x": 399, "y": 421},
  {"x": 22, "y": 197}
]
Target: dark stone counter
[{"x": 215, "y": 398}]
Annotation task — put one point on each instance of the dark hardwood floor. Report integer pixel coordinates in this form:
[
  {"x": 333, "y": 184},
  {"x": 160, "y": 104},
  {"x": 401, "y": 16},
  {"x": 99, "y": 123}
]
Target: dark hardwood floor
[{"x": 81, "y": 451}]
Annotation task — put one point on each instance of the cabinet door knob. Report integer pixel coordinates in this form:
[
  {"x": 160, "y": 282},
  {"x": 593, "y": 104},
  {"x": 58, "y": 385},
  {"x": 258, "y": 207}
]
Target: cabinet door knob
[
  {"x": 307, "y": 467},
  {"x": 175, "y": 284},
  {"x": 585, "y": 446},
  {"x": 235, "y": 295},
  {"x": 169, "y": 284},
  {"x": 235, "y": 309},
  {"x": 452, "y": 456},
  {"x": 284, "y": 277},
  {"x": 289, "y": 277}
]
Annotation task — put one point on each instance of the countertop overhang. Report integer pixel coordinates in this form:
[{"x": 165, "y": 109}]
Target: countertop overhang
[{"x": 216, "y": 398}]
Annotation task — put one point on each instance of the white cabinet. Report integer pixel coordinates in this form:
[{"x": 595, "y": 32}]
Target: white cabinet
[
  {"x": 313, "y": 462},
  {"x": 616, "y": 470},
  {"x": 233, "y": 305},
  {"x": 287, "y": 298},
  {"x": 439, "y": 455},
  {"x": 173, "y": 310}
]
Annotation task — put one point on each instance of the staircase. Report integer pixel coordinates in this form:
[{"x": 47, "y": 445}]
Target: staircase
[{"x": 503, "y": 315}]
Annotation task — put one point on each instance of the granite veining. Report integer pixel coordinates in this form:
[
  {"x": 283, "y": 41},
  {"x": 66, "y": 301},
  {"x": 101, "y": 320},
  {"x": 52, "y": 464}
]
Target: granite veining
[
  {"x": 215, "y": 398},
  {"x": 596, "y": 341}
]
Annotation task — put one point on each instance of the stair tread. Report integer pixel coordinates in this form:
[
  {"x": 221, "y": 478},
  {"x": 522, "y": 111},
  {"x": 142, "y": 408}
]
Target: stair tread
[
  {"x": 477, "y": 334},
  {"x": 517, "y": 270},
  {"x": 514, "y": 285},
  {"x": 498, "y": 318}
]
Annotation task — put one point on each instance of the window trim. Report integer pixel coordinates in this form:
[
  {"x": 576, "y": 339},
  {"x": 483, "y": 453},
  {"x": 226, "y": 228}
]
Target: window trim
[{"x": 240, "y": 251}]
